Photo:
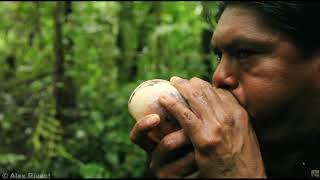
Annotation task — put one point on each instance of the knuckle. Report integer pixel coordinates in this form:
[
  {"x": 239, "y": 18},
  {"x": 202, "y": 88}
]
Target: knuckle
[
  {"x": 208, "y": 143},
  {"x": 174, "y": 103},
  {"x": 167, "y": 144},
  {"x": 195, "y": 79},
  {"x": 229, "y": 120},
  {"x": 196, "y": 94},
  {"x": 204, "y": 84},
  {"x": 186, "y": 115},
  {"x": 199, "y": 95}
]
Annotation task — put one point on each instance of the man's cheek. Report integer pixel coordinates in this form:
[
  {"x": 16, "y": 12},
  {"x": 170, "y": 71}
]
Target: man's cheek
[{"x": 265, "y": 104}]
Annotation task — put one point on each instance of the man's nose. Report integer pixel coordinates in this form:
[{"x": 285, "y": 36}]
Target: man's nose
[{"x": 224, "y": 76}]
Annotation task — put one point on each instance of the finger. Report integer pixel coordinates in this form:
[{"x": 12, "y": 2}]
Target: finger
[
  {"x": 213, "y": 101},
  {"x": 233, "y": 108},
  {"x": 193, "y": 95},
  {"x": 175, "y": 140},
  {"x": 186, "y": 118},
  {"x": 171, "y": 146},
  {"x": 206, "y": 88},
  {"x": 227, "y": 96},
  {"x": 139, "y": 133},
  {"x": 221, "y": 102}
]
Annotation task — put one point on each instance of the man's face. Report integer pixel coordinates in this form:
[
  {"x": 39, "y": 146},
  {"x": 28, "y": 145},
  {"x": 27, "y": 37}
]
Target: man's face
[{"x": 262, "y": 68}]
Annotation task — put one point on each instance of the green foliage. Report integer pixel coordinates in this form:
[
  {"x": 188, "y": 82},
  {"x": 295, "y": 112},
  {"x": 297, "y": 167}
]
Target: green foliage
[
  {"x": 10, "y": 158},
  {"x": 94, "y": 171},
  {"x": 109, "y": 48},
  {"x": 46, "y": 140}
]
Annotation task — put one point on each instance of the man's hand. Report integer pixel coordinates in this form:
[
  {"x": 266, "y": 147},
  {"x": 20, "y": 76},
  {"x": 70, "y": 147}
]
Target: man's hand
[
  {"x": 225, "y": 145},
  {"x": 173, "y": 156}
]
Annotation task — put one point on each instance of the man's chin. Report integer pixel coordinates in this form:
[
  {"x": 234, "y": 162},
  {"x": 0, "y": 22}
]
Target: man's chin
[{"x": 267, "y": 119}]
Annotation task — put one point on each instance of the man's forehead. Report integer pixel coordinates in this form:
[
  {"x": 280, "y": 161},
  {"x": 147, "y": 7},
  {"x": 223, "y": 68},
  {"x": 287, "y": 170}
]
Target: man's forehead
[
  {"x": 240, "y": 23},
  {"x": 221, "y": 42},
  {"x": 224, "y": 37}
]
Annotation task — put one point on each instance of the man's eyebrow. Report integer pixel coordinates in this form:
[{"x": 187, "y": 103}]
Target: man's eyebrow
[{"x": 242, "y": 41}]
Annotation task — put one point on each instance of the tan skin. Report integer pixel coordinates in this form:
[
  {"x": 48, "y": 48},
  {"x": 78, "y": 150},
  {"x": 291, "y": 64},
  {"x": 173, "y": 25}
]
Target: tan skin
[{"x": 260, "y": 71}]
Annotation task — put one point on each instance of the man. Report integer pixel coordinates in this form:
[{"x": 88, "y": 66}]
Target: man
[{"x": 260, "y": 117}]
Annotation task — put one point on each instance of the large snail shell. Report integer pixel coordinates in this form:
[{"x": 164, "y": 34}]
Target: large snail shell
[{"x": 144, "y": 100}]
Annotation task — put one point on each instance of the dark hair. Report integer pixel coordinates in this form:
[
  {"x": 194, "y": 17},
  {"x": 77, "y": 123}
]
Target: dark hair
[{"x": 297, "y": 20}]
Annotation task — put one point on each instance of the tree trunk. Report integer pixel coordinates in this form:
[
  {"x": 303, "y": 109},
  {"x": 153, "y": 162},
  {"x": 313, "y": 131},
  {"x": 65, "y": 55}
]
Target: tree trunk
[
  {"x": 36, "y": 23},
  {"x": 145, "y": 28},
  {"x": 205, "y": 45},
  {"x": 10, "y": 61},
  {"x": 59, "y": 61},
  {"x": 64, "y": 87},
  {"x": 157, "y": 13},
  {"x": 125, "y": 41},
  {"x": 71, "y": 89}
]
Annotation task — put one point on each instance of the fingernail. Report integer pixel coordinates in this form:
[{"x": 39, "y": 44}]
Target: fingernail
[{"x": 175, "y": 78}]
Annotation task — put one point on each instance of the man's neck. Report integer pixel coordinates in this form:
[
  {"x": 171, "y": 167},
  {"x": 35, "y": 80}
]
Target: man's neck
[
  {"x": 302, "y": 121},
  {"x": 296, "y": 135}
]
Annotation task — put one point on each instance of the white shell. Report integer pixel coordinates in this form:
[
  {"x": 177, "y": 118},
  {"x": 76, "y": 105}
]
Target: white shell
[{"x": 140, "y": 100}]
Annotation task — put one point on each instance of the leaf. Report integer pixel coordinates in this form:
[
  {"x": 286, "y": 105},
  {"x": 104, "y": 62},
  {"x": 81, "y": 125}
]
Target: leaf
[
  {"x": 11, "y": 158},
  {"x": 92, "y": 170}
]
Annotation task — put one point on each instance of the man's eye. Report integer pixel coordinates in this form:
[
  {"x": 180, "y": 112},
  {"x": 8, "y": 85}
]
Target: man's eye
[{"x": 243, "y": 53}]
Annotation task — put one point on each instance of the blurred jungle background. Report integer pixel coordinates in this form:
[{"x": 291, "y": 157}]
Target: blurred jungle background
[{"x": 67, "y": 71}]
